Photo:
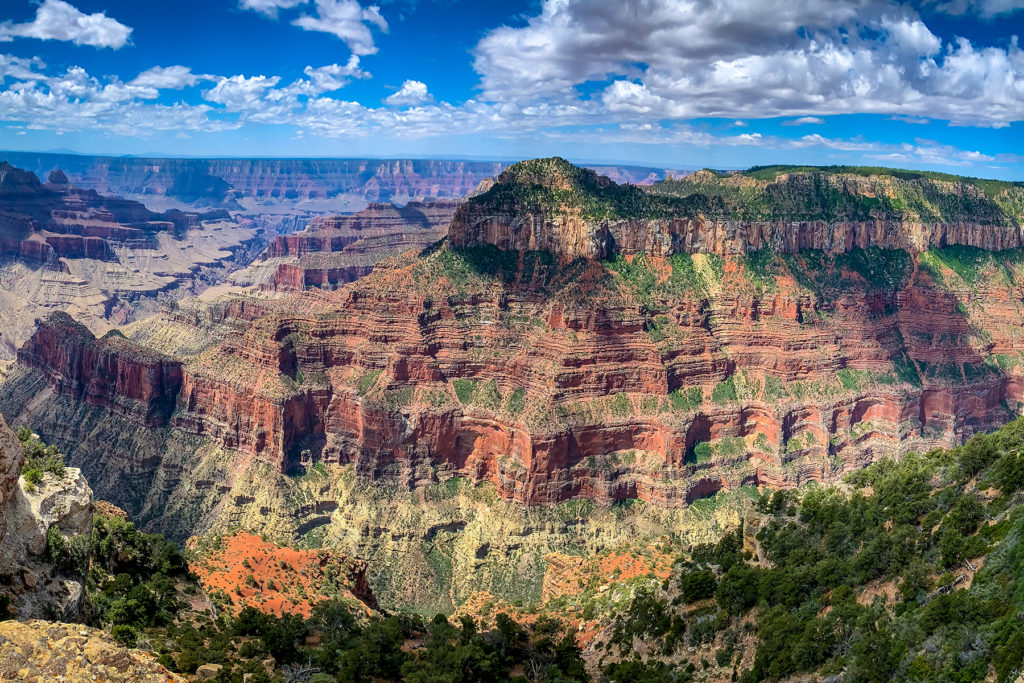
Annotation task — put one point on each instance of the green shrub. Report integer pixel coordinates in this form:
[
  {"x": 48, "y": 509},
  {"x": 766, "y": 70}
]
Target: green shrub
[
  {"x": 621, "y": 406},
  {"x": 124, "y": 634},
  {"x": 724, "y": 392},
  {"x": 516, "y": 402},
  {"x": 464, "y": 389},
  {"x": 40, "y": 459},
  {"x": 685, "y": 400},
  {"x": 367, "y": 381}
]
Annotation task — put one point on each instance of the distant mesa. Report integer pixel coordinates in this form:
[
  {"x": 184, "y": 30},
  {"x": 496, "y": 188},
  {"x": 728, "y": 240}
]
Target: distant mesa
[{"x": 552, "y": 205}]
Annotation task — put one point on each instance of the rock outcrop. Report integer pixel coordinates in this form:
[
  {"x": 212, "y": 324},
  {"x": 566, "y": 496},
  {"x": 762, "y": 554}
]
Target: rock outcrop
[
  {"x": 31, "y": 514},
  {"x": 42, "y": 651}
]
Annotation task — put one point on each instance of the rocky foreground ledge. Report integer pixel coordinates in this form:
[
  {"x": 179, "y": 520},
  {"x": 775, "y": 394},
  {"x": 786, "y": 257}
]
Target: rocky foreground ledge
[{"x": 42, "y": 651}]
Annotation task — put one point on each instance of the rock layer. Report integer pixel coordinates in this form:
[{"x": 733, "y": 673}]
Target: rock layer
[
  {"x": 554, "y": 382},
  {"x": 579, "y": 237},
  {"x": 334, "y": 251}
]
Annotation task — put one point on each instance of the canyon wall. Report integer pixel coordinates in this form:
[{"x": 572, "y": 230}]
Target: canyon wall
[
  {"x": 579, "y": 237},
  {"x": 660, "y": 374},
  {"x": 552, "y": 383},
  {"x": 336, "y": 250},
  {"x": 108, "y": 372}
]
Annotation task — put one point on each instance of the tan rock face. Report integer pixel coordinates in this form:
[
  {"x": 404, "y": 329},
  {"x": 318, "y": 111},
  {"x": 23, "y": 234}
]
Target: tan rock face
[
  {"x": 34, "y": 585},
  {"x": 11, "y": 458},
  {"x": 577, "y": 237},
  {"x": 103, "y": 260},
  {"x": 41, "y": 652}
]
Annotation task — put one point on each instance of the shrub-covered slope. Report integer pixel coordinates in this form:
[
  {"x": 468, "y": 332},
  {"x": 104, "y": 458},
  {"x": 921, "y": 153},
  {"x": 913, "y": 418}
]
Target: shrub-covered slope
[{"x": 912, "y": 570}]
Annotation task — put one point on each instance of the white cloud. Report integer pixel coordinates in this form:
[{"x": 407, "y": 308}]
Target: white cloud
[
  {"x": 804, "y": 120},
  {"x": 270, "y": 7},
  {"x": 986, "y": 9},
  {"x": 348, "y": 20},
  {"x": 167, "y": 78},
  {"x": 679, "y": 59},
  {"x": 410, "y": 94},
  {"x": 634, "y": 99},
  {"x": 20, "y": 68},
  {"x": 75, "y": 101},
  {"x": 57, "y": 20},
  {"x": 240, "y": 93},
  {"x": 332, "y": 77}
]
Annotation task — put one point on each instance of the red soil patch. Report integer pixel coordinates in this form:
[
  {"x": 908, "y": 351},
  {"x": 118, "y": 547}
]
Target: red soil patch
[
  {"x": 274, "y": 579},
  {"x": 105, "y": 509},
  {"x": 630, "y": 566}
]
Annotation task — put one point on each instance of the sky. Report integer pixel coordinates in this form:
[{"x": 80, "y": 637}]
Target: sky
[{"x": 931, "y": 84}]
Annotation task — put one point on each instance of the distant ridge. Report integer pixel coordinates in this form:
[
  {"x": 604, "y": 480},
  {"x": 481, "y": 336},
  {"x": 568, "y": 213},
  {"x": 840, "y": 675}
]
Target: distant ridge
[{"x": 238, "y": 183}]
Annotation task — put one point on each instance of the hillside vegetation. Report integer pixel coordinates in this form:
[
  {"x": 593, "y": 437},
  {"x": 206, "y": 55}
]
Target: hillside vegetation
[
  {"x": 914, "y": 570},
  {"x": 790, "y": 193}
]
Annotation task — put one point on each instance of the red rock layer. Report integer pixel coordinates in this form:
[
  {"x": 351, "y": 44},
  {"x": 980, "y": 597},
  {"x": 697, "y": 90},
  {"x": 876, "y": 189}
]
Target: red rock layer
[
  {"x": 106, "y": 372},
  {"x": 581, "y": 353},
  {"x": 366, "y": 375},
  {"x": 297, "y": 277}
]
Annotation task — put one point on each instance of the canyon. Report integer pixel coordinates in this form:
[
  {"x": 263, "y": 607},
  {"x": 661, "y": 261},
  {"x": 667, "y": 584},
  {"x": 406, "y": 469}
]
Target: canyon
[
  {"x": 103, "y": 260},
  {"x": 554, "y": 348}
]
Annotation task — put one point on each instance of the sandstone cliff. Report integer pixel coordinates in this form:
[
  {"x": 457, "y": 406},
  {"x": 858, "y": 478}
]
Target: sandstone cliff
[
  {"x": 111, "y": 372},
  {"x": 336, "y": 250}
]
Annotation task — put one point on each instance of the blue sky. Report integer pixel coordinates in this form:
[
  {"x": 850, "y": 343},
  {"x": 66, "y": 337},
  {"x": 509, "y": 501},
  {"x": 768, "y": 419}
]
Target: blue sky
[{"x": 935, "y": 84}]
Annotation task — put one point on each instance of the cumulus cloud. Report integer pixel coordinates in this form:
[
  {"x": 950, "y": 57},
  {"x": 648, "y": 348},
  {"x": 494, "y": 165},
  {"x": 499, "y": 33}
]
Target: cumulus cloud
[
  {"x": 270, "y": 7},
  {"x": 20, "y": 68},
  {"x": 240, "y": 92},
  {"x": 745, "y": 58},
  {"x": 411, "y": 93},
  {"x": 334, "y": 76},
  {"x": 167, "y": 78},
  {"x": 58, "y": 20},
  {"x": 804, "y": 120},
  {"x": 348, "y": 20}
]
